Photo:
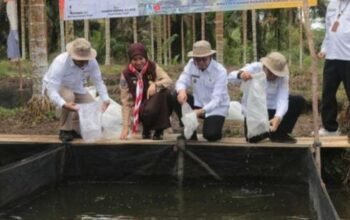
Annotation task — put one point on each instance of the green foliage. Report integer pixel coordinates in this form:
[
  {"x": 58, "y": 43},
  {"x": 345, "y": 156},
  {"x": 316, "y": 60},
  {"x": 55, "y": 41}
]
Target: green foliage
[
  {"x": 99, "y": 43},
  {"x": 10, "y": 69},
  {"x": 7, "y": 113}
]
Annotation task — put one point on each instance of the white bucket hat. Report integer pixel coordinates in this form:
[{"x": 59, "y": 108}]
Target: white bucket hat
[
  {"x": 80, "y": 49},
  {"x": 276, "y": 63},
  {"x": 201, "y": 48}
]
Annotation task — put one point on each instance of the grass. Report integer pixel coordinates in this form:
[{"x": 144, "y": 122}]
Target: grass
[{"x": 7, "y": 113}]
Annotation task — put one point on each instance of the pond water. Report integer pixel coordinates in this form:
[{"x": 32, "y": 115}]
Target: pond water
[
  {"x": 341, "y": 200},
  {"x": 112, "y": 201}
]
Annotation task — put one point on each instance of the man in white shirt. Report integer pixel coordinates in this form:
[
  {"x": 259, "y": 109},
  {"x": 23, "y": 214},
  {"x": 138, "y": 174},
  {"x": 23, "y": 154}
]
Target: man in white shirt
[
  {"x": 283, "y": 109},
  {"x": 336, "y": 50},
  {"x": 64, "y": 82},
  {"x": 208, "y": 80}
]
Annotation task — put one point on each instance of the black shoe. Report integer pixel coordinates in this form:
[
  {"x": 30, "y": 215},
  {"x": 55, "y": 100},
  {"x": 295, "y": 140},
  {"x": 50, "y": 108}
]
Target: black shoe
[
  {"x": 75, "y": 134},
  {"x": 66, "y": 136},
  {"x": 287, "y": 138},
  {"x": 194, "y": 136},
  {"x": 158, "y": 135},
  {"x": 146, "y": 134},
  {"x": 258, "y": 138}
]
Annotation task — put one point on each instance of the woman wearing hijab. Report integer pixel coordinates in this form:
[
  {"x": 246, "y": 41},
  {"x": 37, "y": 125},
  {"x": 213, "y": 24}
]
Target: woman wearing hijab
[{"x": 144, "y": 95}]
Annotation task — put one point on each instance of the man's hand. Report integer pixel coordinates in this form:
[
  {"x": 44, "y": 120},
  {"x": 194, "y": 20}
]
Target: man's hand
[
  {"x": 274, "y": 123},
  {"x": 182, "y": 96},
  {"x": 321, "y": 55},
  {"x": 199, "y": 112},
  {"x": 71, "y": 106},
  {"x": 105, "y": 105},
  {"x": 124, "y": 134},
  {"x": 245, "y": 76},
  {"x": 152, "y": 90}
]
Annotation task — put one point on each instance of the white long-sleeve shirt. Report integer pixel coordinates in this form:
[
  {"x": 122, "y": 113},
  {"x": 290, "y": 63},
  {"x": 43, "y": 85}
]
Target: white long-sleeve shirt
[
  {"x": 277, "y": 91},
  {"x": 209, "y": 87},
  {"x": 336, "y": 45},
  {"x": 64, "y": 73}
]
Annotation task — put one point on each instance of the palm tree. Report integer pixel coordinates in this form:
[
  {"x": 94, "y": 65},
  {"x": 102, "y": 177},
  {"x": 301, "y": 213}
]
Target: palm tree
[
  {"x": 244, "y": 38},
  {"x": 159, "y": 38},
  {"x": 38, "y": 104},
  {"x": 69, "y": 31},
  {"x": 219, "y": 32},
  {"x": 193, "y": 28},
  {"x": 255, "y": 56},
  {"x": 165, "y": 39},
  {"x": 152, "y": 36},
  {"x": 169, "y": 35},
  {"x": 182, "y": 41},
  {"x": 134, "y": 28},
  {"x": 86, "y": 29},
  {"x": 62, "y": 36},
  {"x": 108, "y": 42},
  {"x": 23, "y": 29},
  {"x": 203, "y": 25}
]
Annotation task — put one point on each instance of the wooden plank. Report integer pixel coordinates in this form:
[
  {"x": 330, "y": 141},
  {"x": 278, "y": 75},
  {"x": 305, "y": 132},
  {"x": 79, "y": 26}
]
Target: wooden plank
[{"x": 170, "y": 139}]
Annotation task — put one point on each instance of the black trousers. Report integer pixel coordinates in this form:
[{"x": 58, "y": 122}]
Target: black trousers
[
  {"x": 212, "y": 126},
  {"x": 156, "y": 110},
  {"x": 334, "y": 72},
  {"x": 296, "y": 104}
]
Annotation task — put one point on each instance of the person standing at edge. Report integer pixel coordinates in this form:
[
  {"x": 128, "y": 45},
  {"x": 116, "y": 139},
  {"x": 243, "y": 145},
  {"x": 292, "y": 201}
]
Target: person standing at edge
[
  {"x": 283, "y": 108},
  {"x": 64, "y": 82},
  {"x": 336, "y": 50},
  {"x": 144, "y": 90},
  {"x": 208, "y": 80}
]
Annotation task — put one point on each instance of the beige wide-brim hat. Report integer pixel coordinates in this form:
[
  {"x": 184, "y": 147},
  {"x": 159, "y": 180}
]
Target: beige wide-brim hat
[
  {"x": 201, "y": 48},
  {"x": 80, "y": 49},
  {"x": 276, "y": 63}
]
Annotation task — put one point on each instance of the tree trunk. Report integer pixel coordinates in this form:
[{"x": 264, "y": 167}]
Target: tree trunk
[
  {"x": 219, "y": 36},
  {"x": 86, "y": 29},
  {"x": 182, "y": 41},
  {"x": 255, "y": 56},
  {"x": 203, "y": 26},
  {"x": 69, "y": 31},
  {"x": 193, "y": 28},
  {"x": 244, "y": 38},
  {"x": 290, "y": 26},
  {"x": 301, "y": 40},
  {"x": 62, "y": 38},
  {"x": 169, "y": 35},
  {"x": 134, "y": 28},
  {"x": 38, "y": 42},
  {"x": 165, "y": 39},
  {"x": 152, "y": 36},
  {"x": 108, "y": 42},
  {"x": 23, "y": 29},
  {"x": 38, "y": 104},
  {"x": 159, "y": 38}
]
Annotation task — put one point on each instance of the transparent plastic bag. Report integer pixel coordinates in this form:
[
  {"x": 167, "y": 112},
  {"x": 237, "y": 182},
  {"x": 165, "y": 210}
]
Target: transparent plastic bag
[
  {"x": 235, "y": 111},
  {"x": 112, "y": 121},
  {"x": 90, "y": 121},
  {"x": 189, "y": 119},
  {"x": 256, "y": 110}
]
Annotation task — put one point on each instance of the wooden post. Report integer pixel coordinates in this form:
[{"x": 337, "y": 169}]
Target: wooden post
[{"x": 309, "y": 35}]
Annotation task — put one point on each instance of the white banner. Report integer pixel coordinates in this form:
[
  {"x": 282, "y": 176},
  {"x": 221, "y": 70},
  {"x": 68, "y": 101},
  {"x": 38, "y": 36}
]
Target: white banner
[{"x": 90, "y": 9}]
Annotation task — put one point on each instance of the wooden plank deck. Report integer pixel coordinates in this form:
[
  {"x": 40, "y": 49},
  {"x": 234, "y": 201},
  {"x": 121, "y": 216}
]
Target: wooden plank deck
[{"x": 303, "y": 142}]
